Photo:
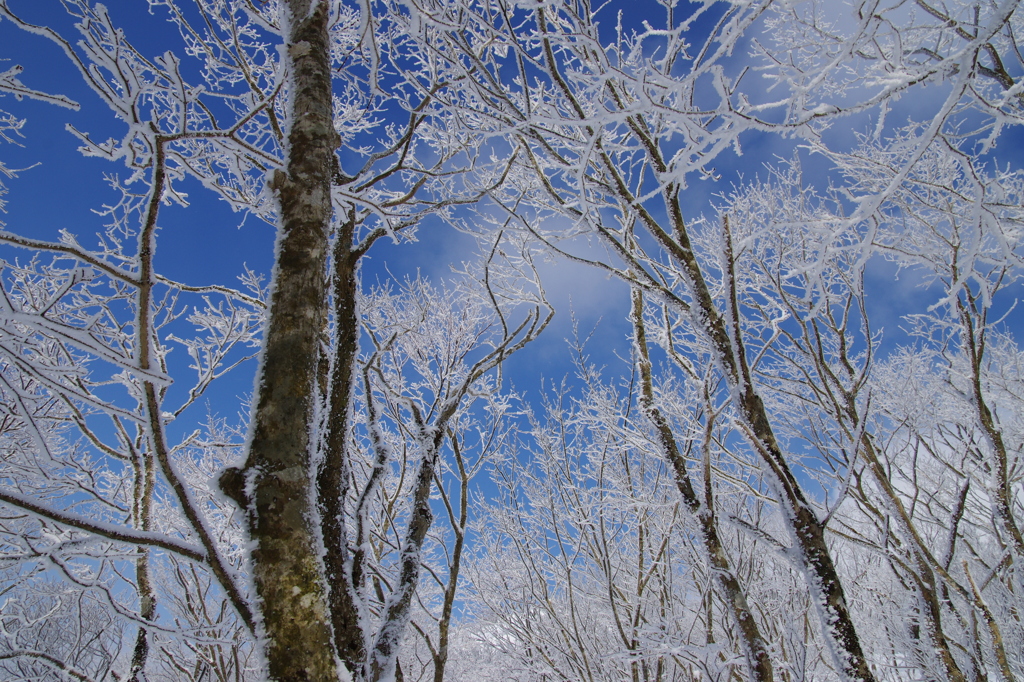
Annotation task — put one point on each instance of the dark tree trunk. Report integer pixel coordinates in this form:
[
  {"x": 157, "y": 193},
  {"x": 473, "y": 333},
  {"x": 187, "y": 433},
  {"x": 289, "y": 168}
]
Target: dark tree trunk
[{"x": 333, "y": 478}]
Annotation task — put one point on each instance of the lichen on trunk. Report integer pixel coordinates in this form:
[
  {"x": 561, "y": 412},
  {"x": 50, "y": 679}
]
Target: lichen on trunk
[{"x": 278, "y": 473}]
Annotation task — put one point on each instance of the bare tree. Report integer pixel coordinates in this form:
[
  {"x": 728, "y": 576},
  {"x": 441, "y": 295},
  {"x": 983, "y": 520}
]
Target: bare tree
[
  {"x": 613, "y": 123},
  {"x": 253, "y": 120},
  {"x": 759, "y": 429}
]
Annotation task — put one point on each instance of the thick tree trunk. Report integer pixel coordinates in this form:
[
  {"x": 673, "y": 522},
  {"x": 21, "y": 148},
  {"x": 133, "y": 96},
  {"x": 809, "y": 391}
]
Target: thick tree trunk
[{"x": 278, "y": 473}]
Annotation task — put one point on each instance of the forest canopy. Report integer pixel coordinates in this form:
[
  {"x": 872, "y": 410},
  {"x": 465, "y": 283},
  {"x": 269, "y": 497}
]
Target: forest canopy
[{"x": 302, "y": 377}]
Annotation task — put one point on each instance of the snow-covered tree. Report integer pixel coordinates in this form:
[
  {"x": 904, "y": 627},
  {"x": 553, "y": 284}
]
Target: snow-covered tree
[
  {"x": 774, "y": 488},
  {"x": 612, "y": 125},
  {"x": 261, "y": 128}
]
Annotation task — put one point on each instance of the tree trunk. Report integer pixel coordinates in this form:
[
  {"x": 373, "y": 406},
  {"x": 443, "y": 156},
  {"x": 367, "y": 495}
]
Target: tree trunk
[
  {"x": 145, "y": 481},
  {"x": 924, "y": 580},
  {"x": 759, "y": 663},
  {"x": 807, "y": 531},
  {"x": 278, "y": 473},
  {"x": 973, "y": 342},
  {"x": 384, "y": 656},
  {"x": 333, "y": 477}
]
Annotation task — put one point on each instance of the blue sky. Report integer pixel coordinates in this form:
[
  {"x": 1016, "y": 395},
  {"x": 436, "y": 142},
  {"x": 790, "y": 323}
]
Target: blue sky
[{"x": 206, "y": 243}]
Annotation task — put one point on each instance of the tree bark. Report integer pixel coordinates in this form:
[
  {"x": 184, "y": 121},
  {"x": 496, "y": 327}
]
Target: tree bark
[{"x": 278, "y": 474}]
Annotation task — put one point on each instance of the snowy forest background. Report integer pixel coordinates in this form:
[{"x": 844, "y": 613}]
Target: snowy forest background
[{"x": 658, "y": 340}]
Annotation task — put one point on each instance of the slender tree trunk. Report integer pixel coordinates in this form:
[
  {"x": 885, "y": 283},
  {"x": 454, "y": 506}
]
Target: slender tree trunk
[
  {"x": 921, "y": 573},
  {"x": 726, "y": 340},
  {"x": 998, "y": 648},
  {"x": 334, "y": 475},
  {"x": 278, "y": 474},
  {"x": 384, "y": 656},
  {"x": 755, "y": 648},
  {"x": 804, "y": 527},
  {"x": 973, "y": 341},
  {"x": 807, "y": 531},
  {"x": 924, "y": 580},
  {"x": 145, "y": 481},
  {"x": 450, "y": 590},
  {"x": 147, "y": 610}
]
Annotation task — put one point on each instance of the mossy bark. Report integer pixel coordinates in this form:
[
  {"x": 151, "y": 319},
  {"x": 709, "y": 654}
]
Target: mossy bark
[{"x": 279, "y": 472}]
